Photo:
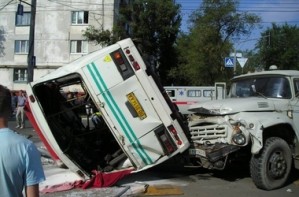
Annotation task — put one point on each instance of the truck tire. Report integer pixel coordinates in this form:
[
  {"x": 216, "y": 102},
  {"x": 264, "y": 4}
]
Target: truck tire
[{"x": 270, "y": 168}]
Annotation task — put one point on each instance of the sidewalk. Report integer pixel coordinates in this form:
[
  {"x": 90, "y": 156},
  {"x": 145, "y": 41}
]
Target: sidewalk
[{"x": 26, "y": 131}]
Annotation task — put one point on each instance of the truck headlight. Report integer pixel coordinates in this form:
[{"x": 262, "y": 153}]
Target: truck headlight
[{"x": 239, "y": 139}]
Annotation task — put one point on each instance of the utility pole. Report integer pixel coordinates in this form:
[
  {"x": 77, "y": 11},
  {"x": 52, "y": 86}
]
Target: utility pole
[
  {"x": 31, "y": 58},
  {"x": 235, "y": 62}
]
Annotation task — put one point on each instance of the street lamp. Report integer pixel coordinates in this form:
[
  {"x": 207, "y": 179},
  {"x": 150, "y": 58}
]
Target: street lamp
[{"x": 31, "y": 60}]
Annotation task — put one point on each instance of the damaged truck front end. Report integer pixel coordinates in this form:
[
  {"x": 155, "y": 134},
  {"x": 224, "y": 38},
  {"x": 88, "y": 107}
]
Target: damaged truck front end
[
  {"x": 256, "y": 122},
  {"x": 216, "y": 136}
]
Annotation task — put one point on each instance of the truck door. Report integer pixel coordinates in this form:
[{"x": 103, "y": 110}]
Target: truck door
[{"x": 295, "y": 104}]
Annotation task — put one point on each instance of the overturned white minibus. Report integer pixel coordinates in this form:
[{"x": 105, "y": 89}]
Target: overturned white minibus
[{"x": 139, "y": 126}]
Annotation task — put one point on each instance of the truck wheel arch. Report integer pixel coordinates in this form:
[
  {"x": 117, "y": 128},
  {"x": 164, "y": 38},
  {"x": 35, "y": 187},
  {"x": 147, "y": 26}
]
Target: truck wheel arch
[{"x": 283, "y": 131}]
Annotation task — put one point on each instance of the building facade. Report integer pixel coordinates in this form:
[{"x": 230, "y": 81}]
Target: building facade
[{"x": 58, "y": 39}]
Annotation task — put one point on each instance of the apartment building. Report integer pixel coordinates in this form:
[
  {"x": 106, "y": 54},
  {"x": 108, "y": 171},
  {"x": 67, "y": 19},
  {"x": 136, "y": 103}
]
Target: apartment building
[{"x": 57, "y": 34}]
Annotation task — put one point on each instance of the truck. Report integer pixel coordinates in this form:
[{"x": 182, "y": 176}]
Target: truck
[
  {"x": 259, "y": 119},
  {"x": 185, "y": 96},
  {"x": 139, "y": 127}
]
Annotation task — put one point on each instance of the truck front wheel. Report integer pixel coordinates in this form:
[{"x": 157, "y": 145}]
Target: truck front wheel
[{"x": 270, "y": 168}]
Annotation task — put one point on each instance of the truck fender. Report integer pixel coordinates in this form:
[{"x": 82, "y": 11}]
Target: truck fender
[
  {"x": 257, "y": 136},
  {"x": 257, "y": 143}
]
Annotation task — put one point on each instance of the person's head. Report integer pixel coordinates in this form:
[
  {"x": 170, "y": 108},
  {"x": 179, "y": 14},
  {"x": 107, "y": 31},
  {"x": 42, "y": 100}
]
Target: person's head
[
  {"x": 21, "y": 93},
  {"x": 5, "y": 102}
]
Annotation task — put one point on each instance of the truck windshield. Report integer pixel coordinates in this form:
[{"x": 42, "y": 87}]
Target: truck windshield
[{"x": 266, "y": 86}]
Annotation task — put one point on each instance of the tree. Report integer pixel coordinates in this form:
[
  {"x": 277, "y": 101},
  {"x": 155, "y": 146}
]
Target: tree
[
  {"x": 279, "y": 45},
  {"x": 202, "y": 51},
  {"x": 155, "y": 24}
]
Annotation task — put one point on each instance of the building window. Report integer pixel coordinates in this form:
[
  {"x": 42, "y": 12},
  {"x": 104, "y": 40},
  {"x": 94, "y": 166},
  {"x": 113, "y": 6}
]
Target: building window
[
  {"x": 20, "y": 75},
  {"x": 79, "y": 46},
  {"x": 21, "y": 46},
  {"x": 79, "y": 17},
  {"x": 23, "y": 20}
]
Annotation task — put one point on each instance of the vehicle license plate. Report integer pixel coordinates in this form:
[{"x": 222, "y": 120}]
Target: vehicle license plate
[{"x": 136, "y": 105}]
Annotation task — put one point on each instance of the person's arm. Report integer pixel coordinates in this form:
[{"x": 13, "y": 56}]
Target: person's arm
[
  {"x": 34, "y": 171},
  {"x": 32, "y": 191}
]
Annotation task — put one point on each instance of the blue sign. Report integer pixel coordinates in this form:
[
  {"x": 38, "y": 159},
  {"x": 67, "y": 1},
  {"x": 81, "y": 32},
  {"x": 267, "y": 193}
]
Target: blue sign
[{"x": 229, "y": 62}]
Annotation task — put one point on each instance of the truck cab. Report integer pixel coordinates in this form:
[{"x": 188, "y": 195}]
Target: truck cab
[
  {"x": 259, "y": 118},
  {"x": 138, "y": 128}
]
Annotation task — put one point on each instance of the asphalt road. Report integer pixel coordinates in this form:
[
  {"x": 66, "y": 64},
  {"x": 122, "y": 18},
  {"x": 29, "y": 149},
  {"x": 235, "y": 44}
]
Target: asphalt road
[{"x": 172, "y": 180}]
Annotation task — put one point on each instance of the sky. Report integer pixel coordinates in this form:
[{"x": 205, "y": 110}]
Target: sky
[{"x": 270, "y": 11}]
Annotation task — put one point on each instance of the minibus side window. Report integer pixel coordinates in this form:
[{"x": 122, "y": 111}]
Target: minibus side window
[
  {"x": 207, "y": 93},
  {"x": 171, "y": 93},
  {"x": 122, "y": 64},
  {"x": 194, "y": 93}
]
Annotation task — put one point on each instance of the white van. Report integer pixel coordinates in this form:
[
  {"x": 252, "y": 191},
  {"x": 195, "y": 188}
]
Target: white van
[
  {"x": 139, "y": 129},
  {"x": 185, "y": 96}
]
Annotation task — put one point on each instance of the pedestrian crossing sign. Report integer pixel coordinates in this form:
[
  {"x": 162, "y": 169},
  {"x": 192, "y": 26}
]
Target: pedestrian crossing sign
[{"x": 229, "y": 62}]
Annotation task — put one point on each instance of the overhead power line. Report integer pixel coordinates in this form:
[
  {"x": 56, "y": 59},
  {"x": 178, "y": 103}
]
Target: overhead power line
[
  {"x": 6, "y": 4},
  {"x": 254, "y": 9}
]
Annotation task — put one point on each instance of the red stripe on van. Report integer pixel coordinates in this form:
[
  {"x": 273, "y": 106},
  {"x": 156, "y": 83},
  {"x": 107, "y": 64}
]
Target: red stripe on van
[
  {"x": 38, "y": 131},
  {"x": 184, "y": 102}
]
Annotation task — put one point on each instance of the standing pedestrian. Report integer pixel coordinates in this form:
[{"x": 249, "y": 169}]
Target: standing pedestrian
[
  {"x": 20, "y": 115},
  {"x": 21, "y": 170}
]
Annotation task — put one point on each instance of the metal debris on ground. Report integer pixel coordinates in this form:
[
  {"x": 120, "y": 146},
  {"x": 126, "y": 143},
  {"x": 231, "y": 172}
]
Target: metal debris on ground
[{"x": 160, "y": 190}]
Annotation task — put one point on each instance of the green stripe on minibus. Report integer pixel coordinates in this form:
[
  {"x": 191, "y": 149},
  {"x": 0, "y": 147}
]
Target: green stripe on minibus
[{"x": 101, "y": 85}]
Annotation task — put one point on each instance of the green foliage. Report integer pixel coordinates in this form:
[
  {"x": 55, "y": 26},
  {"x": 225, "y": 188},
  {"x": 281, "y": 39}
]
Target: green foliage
[
  {"x": 279, "y": 45},
  {"x": 103, "y": 37},
  {"x": 154, "y": 24},
  {"x": 202, "y": 51}
]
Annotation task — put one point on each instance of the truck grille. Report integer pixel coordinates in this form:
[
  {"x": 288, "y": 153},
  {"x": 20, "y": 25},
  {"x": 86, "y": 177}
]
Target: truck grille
[{"x": 212, "y": 133}]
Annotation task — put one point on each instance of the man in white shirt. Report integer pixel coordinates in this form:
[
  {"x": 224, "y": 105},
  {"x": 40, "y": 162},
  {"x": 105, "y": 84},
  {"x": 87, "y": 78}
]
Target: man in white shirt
[{"x": 20, "y": 115}]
